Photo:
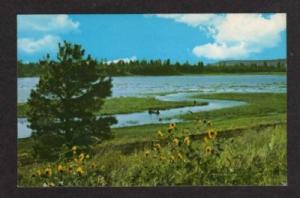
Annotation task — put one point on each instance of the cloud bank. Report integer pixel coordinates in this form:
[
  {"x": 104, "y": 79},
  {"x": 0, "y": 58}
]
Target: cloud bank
[
  {"x": 59, "y": 23},
  {"x": 234, "y": 35},
  {"x": 46, "y": 30},
  {"x": 45, "y": 44}
]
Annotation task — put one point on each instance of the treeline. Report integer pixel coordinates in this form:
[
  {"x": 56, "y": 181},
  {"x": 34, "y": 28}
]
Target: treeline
[
  {"x": 152, "y": 67},
  {"x": 163, "y": 67},
  {"x": 279, "y": 66},
  {"x": 29, "y": 69}
]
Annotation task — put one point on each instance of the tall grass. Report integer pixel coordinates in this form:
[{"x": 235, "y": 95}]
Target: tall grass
[{"x": 257, "y": 157}]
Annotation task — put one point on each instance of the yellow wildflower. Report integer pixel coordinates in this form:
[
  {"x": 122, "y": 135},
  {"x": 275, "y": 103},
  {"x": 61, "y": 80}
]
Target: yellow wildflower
[
  {"x": 172, "y": 158},
  {"x": 39, "y": 172},
  {"x": 93, "y": 165},
  {"x": 208, "y": 150},
  {"x": 175, "y": 141},
  {"x": 70, "y": 168},
  {"x": 60, "y": 168},
  {"x": 212, "y": 134},
  {"x": 157, "y": 146},
  {"x": 187, "y": 140},
  {"x": 87, "y": 156},
  {"x": 80, "y": 171},
  {"x": 162, "y": 158},
  {"x": 74, "y": 148},
  {"x": 179, "y": 156},
  {"x": 171, "y": 127},
  {"x": 147, "y": 152},
  {"x": 81, "y": 157},
  {"x": 160, "y": 134},
  {"x": 48, "y": 172},
  {"x": 205, "y": 139}
]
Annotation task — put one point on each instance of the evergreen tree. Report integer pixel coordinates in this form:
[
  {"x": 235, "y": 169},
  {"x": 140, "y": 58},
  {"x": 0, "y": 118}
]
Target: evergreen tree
[{"x": 63, "y": 107}]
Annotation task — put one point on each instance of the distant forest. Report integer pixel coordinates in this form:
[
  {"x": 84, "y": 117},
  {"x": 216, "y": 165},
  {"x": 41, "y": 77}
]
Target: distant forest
[{"x": 165, "y": 67}]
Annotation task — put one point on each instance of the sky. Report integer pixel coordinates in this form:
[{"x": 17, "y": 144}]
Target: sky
[{"x": 179, "y": 37}]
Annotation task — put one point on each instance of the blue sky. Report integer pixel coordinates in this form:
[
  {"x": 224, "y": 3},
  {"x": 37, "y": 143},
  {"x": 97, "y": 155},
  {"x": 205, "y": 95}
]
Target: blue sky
[{"x": 179, "y": 37}]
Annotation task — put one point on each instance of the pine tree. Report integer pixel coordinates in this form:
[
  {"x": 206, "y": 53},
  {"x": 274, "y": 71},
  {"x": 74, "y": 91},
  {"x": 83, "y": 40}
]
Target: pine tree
[{"x": 63, "y": 108}]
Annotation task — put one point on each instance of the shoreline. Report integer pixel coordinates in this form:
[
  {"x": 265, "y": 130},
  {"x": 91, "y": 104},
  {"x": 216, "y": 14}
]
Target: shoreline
[
  {"x": 140, "y": 105},
  {"x": 253, "y": 100},
  {"x": 188, "y": 74}
]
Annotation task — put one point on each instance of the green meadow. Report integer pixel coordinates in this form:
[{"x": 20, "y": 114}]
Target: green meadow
[
  {"x": 248, "y": 148},
  {"x": 124, "y": 105}
]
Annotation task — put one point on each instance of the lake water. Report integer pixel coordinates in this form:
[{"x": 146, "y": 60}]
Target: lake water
[{"x": 178, "y": 88}]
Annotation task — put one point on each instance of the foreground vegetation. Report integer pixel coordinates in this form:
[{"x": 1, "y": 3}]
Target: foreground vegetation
[
  {"x": 243, "y": 145},
  {"x": 258, "y": 157}
]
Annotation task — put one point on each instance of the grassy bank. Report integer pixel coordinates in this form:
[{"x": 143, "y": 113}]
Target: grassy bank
[
  {"x": 123, "y": 105},
  {"x": 252, "y": 139},
  {"x": 262, "y": 108},
  {"x": 259, "y": 104}
]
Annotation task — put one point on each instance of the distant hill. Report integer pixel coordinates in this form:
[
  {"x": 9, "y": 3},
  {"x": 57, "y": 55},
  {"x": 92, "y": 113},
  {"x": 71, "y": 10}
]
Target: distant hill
[{"x": 250, "y": 62}]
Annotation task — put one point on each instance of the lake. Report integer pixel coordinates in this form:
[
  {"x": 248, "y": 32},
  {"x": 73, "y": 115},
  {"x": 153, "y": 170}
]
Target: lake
[{"x": 171, "y": 88}]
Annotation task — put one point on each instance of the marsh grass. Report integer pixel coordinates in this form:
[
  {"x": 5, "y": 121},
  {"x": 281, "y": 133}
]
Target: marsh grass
[{"x": 124, "y": 105}]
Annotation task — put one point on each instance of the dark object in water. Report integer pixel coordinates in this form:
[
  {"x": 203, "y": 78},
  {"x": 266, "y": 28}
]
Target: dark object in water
[
  {"x": 153, "y": 111},
  {"x": 160, "y": 119},
  {"x": 195, "y": 102}
]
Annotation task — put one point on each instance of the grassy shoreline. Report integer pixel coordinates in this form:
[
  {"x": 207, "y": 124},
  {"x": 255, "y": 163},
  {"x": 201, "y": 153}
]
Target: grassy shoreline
[
  {"x": 124, "y": 105},
  {"x": 258, "y": 111}
]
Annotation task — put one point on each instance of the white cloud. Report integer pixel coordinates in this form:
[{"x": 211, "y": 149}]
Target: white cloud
[
  {"x": 234, "y": 35},
  {"x": 194, "y": 20},
  {"x": 47, "y": 44},
  {"x": 220, "y": 51},
  {"x": 252, "y": 29},
  {"x": 46, "y": 23},
  {"x": 40, "y": 33},
  {"x": 126, "y": 60}
]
